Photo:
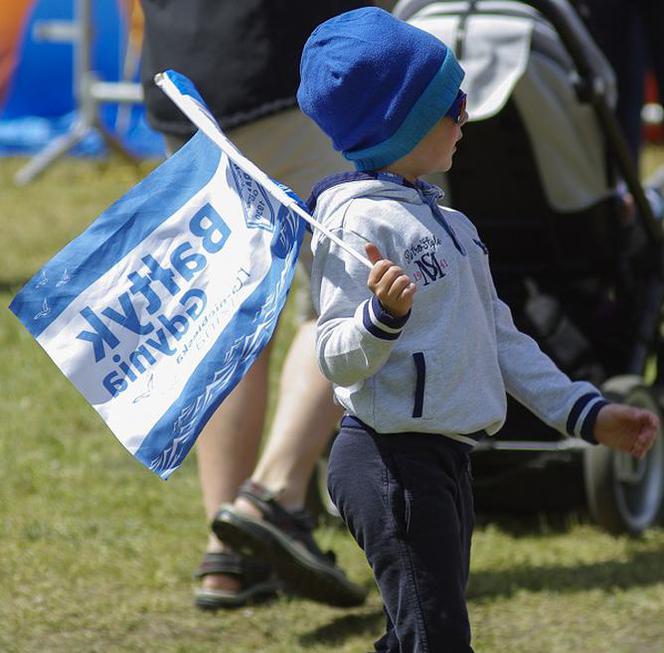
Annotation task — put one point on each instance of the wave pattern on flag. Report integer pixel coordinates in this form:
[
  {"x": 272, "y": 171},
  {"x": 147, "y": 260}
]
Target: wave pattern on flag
[{"x": 158, "y": 309}]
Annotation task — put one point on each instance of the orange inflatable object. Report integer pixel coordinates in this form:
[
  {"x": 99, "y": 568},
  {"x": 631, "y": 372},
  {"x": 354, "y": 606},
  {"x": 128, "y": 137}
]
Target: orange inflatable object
[{"x": 15, "y": 15}]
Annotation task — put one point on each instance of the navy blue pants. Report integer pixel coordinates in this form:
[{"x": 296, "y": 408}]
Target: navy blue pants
[{"x": 407, "y": 501}]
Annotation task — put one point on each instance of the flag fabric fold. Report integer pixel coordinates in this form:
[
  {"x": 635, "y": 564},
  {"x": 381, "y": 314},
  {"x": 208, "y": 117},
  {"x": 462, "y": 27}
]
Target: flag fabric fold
[{"x": 159, "y": 308}]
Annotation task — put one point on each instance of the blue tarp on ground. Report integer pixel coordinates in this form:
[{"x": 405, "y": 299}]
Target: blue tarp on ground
[{"x": 36, "y": 90}]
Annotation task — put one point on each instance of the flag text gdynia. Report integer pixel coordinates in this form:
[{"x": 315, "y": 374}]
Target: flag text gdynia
[{"x": 160, "y": 330}]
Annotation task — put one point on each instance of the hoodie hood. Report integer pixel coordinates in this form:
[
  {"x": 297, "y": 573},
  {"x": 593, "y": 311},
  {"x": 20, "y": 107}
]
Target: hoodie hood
[
  {"x": 332, "y": 195},
  {"x": 375, "y": 185}
]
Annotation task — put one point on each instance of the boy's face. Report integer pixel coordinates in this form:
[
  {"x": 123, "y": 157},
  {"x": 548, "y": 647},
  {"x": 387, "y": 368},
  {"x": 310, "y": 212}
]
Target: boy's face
[{"x": 434, "y": 152}]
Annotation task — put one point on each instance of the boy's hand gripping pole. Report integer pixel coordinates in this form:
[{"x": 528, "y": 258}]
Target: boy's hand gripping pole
[{"x": 200, "y": 116}]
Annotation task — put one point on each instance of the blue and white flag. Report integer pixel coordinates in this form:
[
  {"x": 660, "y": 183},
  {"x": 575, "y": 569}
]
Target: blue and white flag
[{"x": 157, "y": 310}]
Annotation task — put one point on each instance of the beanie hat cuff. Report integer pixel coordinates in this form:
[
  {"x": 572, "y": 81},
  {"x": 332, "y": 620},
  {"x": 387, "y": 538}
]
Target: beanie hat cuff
[{"x": 430, "y": 107}]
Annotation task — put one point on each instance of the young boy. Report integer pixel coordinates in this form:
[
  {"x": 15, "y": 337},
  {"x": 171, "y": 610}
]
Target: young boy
[{"x": 422, "y": 365}]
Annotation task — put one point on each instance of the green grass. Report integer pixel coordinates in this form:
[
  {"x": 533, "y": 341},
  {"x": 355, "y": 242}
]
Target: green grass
[{"x": 96, "y": 553}]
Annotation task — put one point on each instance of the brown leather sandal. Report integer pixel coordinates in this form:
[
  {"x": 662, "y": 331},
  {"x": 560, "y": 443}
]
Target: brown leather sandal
[
  {"x": 285, "y": 540},
  {"x": 256, "y": 581}
]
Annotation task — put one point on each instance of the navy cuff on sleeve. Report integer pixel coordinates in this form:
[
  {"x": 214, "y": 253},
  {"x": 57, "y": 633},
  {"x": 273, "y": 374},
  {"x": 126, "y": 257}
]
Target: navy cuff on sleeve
[
  {"x": 577, "y": 409},
  {"x": 588, "y": 427},
  {"x": 387, "y": 318},
  {"x": 378, "y": 322}
]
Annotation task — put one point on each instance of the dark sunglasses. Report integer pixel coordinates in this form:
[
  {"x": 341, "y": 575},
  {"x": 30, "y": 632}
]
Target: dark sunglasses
[{"x": 458, "y": 107}]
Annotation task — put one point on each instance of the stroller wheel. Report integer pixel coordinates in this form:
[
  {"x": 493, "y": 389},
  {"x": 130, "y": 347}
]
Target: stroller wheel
[{"x": 626, "y": 495}]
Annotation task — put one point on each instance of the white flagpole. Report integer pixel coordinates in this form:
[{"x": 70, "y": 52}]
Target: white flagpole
[{"x": 208, "y": 125}]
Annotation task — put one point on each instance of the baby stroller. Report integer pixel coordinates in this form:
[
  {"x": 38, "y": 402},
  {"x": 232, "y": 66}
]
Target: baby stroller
[{"x": 544, "y": 171}]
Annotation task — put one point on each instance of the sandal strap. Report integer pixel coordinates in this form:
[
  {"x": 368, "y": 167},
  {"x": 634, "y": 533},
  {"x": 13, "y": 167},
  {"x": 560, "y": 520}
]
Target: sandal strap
[
  {"x": 249, "y": 570},
  {"x": 273, "y": 512},
  {"x": 223, "y": 562},
  {"x": 298, "y": 524}
]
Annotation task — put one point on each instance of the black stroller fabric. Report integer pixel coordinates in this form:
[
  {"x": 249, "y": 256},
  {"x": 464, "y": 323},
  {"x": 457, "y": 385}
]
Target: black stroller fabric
[{"x": 534, "y": 174}]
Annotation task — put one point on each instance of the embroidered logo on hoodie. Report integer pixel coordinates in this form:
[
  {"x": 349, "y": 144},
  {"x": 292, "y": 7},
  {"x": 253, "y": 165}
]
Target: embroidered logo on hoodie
[{"x": 423, "y": 256}]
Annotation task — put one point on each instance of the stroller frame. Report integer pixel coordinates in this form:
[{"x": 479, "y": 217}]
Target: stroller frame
[{"x": 602, "y": 474}]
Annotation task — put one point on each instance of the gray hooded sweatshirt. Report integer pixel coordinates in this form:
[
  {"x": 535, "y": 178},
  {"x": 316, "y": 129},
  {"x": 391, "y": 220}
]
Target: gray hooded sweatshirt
[{"x": 445, "y": 367}]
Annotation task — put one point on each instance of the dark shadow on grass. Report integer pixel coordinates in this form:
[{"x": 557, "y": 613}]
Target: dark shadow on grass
[
  {"x": 533, "y": 523},
  {"x": 642, "y": 569},
  {"x": 12, "y": 286},
  {"x": 349, "y": 625}
]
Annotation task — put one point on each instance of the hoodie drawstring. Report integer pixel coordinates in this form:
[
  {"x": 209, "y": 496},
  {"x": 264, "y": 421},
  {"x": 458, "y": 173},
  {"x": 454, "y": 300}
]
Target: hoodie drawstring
[{"x": 430, "y": 194}]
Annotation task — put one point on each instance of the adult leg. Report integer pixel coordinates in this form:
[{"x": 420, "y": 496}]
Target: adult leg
[
  {"x": 298, "y": 154},
  {"x": 227, "y": 450},
  {"x": 267, "y": 519},
  {"x": 302, "y": 426},
  {"x": 292, "y": 149},
  {"x": 226, "y": 453}
]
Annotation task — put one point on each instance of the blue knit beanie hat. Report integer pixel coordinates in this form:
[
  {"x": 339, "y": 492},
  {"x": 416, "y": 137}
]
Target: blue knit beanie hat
[{"x": 375, "y": 84}]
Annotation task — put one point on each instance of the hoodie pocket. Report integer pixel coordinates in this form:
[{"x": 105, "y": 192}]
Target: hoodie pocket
[
  {"x": 401, "y": 394},
  {"x": 420, "y": 383}
]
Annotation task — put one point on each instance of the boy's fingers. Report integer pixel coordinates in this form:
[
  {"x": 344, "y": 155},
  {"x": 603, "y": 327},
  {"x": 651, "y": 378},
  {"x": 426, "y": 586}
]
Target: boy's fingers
[
  {"x": 386, "y": 280},
  {"x": 373, "y": 253},
  {"x": 402, "y": 292},
  {"x": 648, "y": 432},
  {"x": 653, "y": 421},
  {"x": 641, "y": 446},
  {"x": 398, "y": 286},
  {"x": 384, "y": 274},
  {"x": 391, "y": 276},
  {"x": 408, "y": 291},
  {"x": 378, "y": 272},
  {"x": 648, "y": 423}
]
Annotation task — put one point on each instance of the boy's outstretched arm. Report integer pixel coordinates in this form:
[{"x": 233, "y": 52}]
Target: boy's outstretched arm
[
  {"x": 626, "y": 428},
  {"x": 576, "y": 408},
  {"x": 390, "y": 284}
]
